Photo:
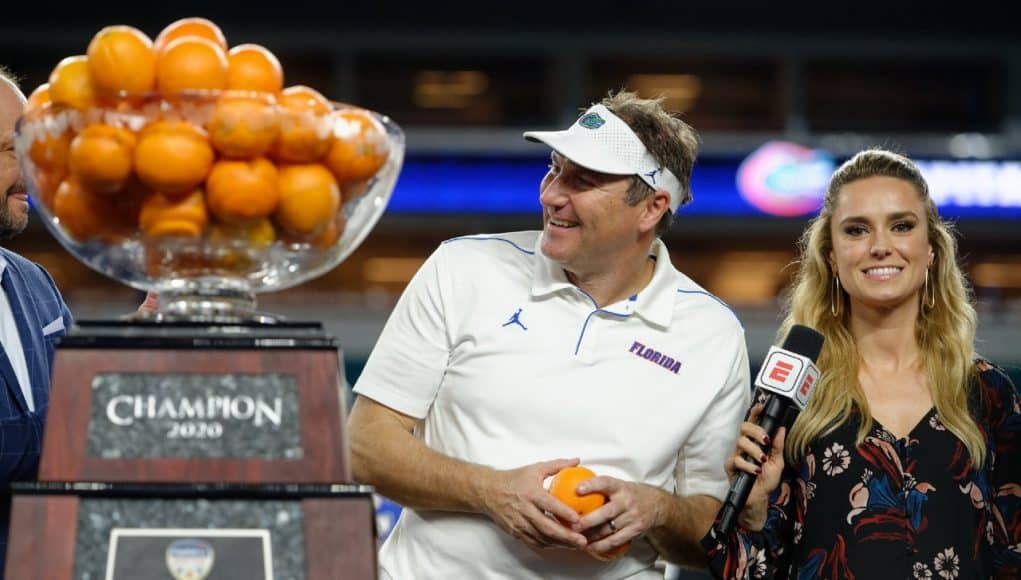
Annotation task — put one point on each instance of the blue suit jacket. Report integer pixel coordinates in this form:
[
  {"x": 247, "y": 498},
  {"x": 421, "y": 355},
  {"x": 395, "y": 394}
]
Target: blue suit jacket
[{"x": 42, "y": 317}]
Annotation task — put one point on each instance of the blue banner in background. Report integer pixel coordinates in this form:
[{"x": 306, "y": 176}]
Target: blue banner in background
[
  {"x": 509, "y": 186},
  {"x": 468, "y": 185},
  {"x": 778, "y": 179}
]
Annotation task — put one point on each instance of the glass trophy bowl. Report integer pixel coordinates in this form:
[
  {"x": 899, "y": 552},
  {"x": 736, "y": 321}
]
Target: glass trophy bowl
[{"x": 208, "y": 248}]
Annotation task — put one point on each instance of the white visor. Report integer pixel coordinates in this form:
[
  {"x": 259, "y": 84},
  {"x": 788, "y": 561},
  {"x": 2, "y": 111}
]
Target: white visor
[{"x": 603, "y": 142}]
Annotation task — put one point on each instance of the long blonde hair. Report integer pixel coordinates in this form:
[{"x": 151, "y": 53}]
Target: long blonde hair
[{"x": 945, "y": 332}]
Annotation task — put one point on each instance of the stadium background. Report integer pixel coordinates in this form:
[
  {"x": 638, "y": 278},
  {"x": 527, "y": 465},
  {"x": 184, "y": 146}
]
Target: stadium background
[{"x": 780, "y": 92}]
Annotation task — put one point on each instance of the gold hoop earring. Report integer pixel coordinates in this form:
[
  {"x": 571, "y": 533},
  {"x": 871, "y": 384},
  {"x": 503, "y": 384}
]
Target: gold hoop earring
[
  {"x": 931, "y": 302},
  {"x": 834, "y": 296}
]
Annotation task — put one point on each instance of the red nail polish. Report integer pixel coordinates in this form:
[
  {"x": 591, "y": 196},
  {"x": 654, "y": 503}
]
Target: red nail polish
[
  {"x": 765, "y": 440},
  {"x": 758, "y": 471},
  {"x": 762, "y": 459}
]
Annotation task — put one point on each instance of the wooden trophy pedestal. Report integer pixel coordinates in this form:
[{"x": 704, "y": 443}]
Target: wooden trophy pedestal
[
  {"x": 177, "y": 446},
  {"x": 65, "y": 531}
]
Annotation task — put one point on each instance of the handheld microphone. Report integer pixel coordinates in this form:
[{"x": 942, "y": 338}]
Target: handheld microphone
[{"x": 788, "y": 376}]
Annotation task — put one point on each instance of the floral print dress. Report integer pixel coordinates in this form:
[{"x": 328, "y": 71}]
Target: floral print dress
[{"x": 911, "y": 508}]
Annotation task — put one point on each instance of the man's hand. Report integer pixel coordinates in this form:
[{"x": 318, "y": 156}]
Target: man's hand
[
  {"x": 633, "y": 509},
  {"x": 517, "y": 502},
  {"x": 386, "y": 454}
]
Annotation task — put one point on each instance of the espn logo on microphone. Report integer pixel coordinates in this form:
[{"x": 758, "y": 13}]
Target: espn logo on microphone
[{"x": 788, "y": 374}]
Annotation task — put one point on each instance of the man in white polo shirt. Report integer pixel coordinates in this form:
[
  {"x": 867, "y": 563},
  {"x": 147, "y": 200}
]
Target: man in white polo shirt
[{"x": 512, "y": 356}]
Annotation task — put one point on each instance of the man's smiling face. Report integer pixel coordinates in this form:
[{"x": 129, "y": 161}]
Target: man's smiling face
[{"x": 14, "y": 203}]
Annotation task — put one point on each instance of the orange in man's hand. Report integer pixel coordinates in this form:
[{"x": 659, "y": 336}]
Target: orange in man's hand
[
  {"x": 253, "y": 68},
  {"x": 611, "y": 554},
  {"x": 71, "y": 83},
  {"x": 192, "y": 26},
  {"x": 121, "y": 58},
  {"x": 173, "y": 157},
  {"x": 190, "y": 63},
  {"x": 564, "y": 487}
]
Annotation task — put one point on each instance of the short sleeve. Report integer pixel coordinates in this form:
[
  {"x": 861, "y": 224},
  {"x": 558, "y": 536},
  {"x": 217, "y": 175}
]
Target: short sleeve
[
  {"x": 700, "y": 468},
  {"x": 407, "y": 364}
]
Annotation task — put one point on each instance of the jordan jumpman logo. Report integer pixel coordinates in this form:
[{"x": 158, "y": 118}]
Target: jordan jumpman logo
[{"x": 515, "y": 319}]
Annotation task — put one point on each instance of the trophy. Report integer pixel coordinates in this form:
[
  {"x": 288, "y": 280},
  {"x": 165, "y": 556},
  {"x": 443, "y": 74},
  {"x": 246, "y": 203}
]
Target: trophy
[{"x": 202, "y": 439}]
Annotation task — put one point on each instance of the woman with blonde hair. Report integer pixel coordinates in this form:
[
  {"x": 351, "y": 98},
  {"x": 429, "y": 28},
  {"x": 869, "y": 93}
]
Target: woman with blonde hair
[{"x": 905, "y": 462}]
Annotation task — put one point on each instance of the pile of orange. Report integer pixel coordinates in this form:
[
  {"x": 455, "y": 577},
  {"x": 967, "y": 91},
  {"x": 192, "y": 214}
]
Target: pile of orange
[
  {"x": 183, "y": 136},
  {"x": 564, "y": 487}
]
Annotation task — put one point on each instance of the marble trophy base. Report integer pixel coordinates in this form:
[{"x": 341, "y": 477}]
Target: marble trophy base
[
  {"x": 193, "y": 450},
  {"x": 199, "y": 403},
  {"x": 231, "y": 532}
]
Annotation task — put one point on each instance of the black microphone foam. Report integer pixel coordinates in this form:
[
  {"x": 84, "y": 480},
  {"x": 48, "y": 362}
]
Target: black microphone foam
[{"x": 804, "y": 341}]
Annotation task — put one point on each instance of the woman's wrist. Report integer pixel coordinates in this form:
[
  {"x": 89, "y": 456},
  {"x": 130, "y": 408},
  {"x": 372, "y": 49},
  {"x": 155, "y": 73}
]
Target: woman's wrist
[{"x": 753, "y": 516}]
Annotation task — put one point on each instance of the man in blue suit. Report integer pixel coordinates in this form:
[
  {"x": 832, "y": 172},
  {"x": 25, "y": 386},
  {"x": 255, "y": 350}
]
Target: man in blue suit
[{"x": 32, "y": 316}]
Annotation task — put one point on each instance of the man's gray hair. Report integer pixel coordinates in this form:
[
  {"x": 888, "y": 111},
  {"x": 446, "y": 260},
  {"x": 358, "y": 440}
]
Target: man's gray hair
[{"x": 6, "y": 74}]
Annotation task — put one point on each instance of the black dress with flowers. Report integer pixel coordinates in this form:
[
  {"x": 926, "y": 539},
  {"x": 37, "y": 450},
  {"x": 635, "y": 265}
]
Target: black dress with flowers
[{"x": 894, "y": 508}]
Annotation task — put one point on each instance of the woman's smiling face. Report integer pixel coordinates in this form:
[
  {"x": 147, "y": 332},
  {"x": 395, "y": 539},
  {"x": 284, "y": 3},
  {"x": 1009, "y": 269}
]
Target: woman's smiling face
[{"x": 881, "y": 246}]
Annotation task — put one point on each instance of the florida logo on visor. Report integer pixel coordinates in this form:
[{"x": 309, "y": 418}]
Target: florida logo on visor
[{"x": 592, "y": 121}]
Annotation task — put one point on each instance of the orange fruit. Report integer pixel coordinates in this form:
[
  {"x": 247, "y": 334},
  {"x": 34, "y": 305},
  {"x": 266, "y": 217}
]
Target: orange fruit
[
  {"x": 101, "y": 157},
  {"x": 304, "y": 125},
  {"x": 71, "y": 84},
  {"x": 165, "y": 216},
  {"x": 611, "y": 554},
  {"x": 231, "y": 244},
  {"x": 253, "y": 68},
  {"x": 309, "y": 198},
  {"x": 359, "y": 146},
  {"x": 51, "y": 152},
  {"x": 563, "y": 487},
  {"x": 353, "y": 190},
  {"x": 46, "y": 183},
  {"x": 242, "y": 191},
  {"x": 190, "y": 63},
  {"x": 331, "y": 233},
  {"x": 323, "y": 239},
  {"x": 76, "y": 210},
  {"x": 192, "y": 26},
  {"x": 244, "y": 125},
  {"x": 128, "y": 201},
  {"x": 39, "y": 97},
  {"x": 302, "y": 98},
  {"x": 173, "y": 157},
  {"x": 258, "y": 234},
  {"x": 121, "y": 58},
  {"x": 86, "y": 215}
]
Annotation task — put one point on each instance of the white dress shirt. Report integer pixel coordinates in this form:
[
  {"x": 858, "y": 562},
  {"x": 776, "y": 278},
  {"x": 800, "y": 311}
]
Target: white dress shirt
[{"x": 11, "y": 342}]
